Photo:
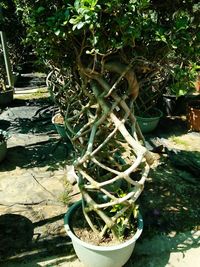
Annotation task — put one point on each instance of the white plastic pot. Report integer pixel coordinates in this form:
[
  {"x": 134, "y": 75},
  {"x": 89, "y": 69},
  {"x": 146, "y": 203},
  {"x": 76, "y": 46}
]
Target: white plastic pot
[{"x": 101, "y": 256}]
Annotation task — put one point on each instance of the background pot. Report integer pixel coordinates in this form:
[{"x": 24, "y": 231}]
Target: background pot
[
  {"x": 193, "y": 115},
  {"x": 3, "y": 150},
  {"x": 6, "y": 97},
  {"x": 174, "y": 105},
  {"x": 59, "y": 126},
  {"x": 100, "y": 256},
  {"x": 148, "y": 124},
  {"x": 169, "y": 104}
]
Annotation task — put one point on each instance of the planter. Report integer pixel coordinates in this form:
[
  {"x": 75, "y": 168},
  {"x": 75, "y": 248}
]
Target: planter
[
  {"x": 169, "y": 104},
  {"x": 148, "y": 124},
  {"x": 6, "y": 97},
  {"x": 3, "y": 150},
  {"x": 174, "y": 105},
  {"x": 193, "y": 115},
  {"x": 100, "y": 256},
  {"x": 58, "y": 121}
]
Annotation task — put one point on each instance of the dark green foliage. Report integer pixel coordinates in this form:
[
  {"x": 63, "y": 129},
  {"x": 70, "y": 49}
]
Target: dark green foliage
[
  {"x": 11, "y": 24},
  {"x": 160, "y": 31}
]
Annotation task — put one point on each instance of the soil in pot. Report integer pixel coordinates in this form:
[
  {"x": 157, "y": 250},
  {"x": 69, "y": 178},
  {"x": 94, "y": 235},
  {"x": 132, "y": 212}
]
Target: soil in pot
[
  {"x": 58, "y": 121},
  {"x": 82, "y": 230}
]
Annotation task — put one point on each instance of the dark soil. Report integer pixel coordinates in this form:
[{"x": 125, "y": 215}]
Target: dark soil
[{"x": 58, "y": 119}]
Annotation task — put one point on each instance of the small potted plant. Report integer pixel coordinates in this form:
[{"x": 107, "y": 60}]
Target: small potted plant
[{"x": 3, "y": 144}]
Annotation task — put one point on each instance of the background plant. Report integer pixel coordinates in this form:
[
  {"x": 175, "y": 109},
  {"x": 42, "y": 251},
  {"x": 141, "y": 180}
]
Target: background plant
[
  {"x": 183, "y": 79},
  {"x": 11, "y": 24}
]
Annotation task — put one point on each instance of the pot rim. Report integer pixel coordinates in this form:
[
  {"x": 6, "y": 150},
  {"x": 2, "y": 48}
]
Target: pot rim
[
  {"x": 54, "y": 117},
  {"x": 95, "y": 247},
  {"x": 152, "y": 117}
]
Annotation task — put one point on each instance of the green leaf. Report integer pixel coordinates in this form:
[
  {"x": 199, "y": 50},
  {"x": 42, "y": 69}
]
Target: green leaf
[
  {"x": 40, "y": 9},
  {"x": 182, "y": 23},
  {"x": 74, "y": 20},
  {"x": 80, "y": 25},
  {"x": 66, "y": 13},
  {"x": 57, "y": 32},
  {"x": 77, "y": 4}
]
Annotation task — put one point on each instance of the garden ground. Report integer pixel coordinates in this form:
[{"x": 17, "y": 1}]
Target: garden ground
[{"x": 34, "y": 192}]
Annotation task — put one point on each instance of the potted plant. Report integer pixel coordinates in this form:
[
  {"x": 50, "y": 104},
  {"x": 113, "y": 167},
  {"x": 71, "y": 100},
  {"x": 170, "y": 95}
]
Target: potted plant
[
  {"x": 180, "y": 86},
  {"x": 56, "y": 86},
  {"x": 59, "y": 123},
  {"x": 96, "y": 45},
  {"x": 3, "y": 144},
  {"x": 97, "y": 108}
]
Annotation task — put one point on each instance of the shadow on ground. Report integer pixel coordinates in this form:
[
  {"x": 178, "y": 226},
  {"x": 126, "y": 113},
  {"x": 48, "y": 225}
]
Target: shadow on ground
[
  {"x": 28, "y": 116},
  {"x": 20, "y": 243},
  {"x": 50, "y": 153},
  {"x": 170, "y": 208},
  {"x": 170, "y": 201},
  {"x": 169, "y": 126}
]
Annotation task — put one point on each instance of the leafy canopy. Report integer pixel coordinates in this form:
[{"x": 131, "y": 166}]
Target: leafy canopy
[{"x": 153, "y": 29}]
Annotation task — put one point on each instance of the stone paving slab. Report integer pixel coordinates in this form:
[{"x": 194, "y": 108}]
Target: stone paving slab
[
  {"x": 33, "y": 178},
  {"x": 31, "y": 186},
  {"x": 160, "y": 251}
]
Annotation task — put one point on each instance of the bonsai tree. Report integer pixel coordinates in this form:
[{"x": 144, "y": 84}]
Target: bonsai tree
[{"x": 94, "y": 50}]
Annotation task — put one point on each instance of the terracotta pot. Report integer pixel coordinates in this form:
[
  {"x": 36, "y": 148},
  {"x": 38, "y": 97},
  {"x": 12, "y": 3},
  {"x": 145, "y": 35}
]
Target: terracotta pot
[{"x": 193, "y": 115}]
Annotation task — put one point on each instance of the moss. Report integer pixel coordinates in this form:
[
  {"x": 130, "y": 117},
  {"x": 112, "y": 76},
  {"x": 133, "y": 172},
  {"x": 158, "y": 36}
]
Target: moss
[
  {"x": 40, "y": 93},
  {"x": 179, "y": 141}
]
